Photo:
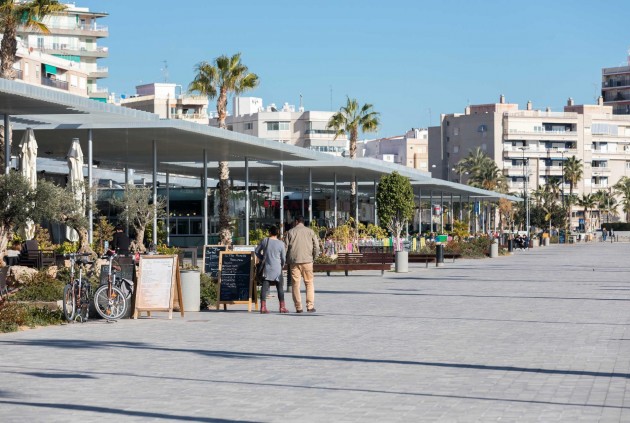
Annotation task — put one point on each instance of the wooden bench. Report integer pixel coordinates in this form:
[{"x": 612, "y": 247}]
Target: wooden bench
[
  {"x": 357, "y": 261},
  {"x": 452, "y": 256},
  {"x": 422, "y": 258}
]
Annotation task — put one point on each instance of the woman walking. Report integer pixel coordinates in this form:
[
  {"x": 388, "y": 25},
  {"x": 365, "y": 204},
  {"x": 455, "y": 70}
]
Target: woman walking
[{"x": 271, "y": 250}]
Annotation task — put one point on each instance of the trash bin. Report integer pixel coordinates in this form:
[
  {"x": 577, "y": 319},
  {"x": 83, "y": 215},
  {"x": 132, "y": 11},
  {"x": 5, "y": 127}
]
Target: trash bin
[
  {"x": 402, "y": 261},
  {"x": 546, "y": 242},
  {"x": 510, "y": 245},
  {"x": 439, "y": 255},
  {"x": 494, "y": 249},
  {"x": 191, "y": 289}
]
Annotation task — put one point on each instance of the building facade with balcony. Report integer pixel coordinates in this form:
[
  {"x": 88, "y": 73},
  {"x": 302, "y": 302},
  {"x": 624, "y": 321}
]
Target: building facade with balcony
[
  {"x": 169, "y": 102},
  {"x": 410, "y": 149},
  {"x": 284, "y": 124},
  {"x": 74, "y": 36},
  {"x": 531, "y": 146}
]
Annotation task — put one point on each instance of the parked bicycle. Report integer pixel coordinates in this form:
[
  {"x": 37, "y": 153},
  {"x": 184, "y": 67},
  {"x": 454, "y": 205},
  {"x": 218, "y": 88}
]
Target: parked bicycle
[
  {"x": 112, "y": 300},
  {"x": 76, "y": 293}
]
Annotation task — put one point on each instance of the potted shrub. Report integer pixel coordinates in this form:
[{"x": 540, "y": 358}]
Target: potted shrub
[{"x": 395, "y": 205}]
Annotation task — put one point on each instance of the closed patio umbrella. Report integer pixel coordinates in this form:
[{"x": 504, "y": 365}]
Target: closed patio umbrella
[
  {"x": 28, "y": 168},
  {"x": 75, "y": 165}
]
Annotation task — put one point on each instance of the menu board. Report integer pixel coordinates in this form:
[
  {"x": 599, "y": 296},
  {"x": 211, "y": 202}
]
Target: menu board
[
  {"x": 236, "y": 275},
  {"x": 158, "y": 277},
  {"x": 211, "y": 259}
]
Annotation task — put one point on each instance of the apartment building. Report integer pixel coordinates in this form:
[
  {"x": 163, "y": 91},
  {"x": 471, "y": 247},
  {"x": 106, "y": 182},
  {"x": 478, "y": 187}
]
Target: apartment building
[
  {"x": 530, "y": 145},
  {"x": 74, "y": 36},
  {"x": 616, "y": 88},
  {"x": 169, "y": 101},
  {"x": 410, "y": 149},
  {"x": 284, "y": 124}
]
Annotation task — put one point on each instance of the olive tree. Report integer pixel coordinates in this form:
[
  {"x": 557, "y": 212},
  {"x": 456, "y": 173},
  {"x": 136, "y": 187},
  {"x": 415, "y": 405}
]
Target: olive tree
[
  {"x": 395, "y": 208},
  {"x": 20, "y": 203},
  {"x": 137, "y": 208}
]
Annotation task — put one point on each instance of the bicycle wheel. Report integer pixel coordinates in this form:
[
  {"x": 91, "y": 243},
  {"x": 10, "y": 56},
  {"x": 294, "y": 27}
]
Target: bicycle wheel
[
  {"x": 110, "y": 307},
  {"x": 69, "y": 303}
]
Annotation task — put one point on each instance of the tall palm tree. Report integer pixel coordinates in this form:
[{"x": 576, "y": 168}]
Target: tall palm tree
[
  {"x": 14, "y": 13},
  {"x": 587, "y": 202},
  {"x": 349, "y": 120},
  {"x": 573, "y": 172},
  {"x": 487, "y": 175},
  {"x": 607, "y": 203},
  {"x": 622, "y": 188},
  {"x": 224, "y": 76}
]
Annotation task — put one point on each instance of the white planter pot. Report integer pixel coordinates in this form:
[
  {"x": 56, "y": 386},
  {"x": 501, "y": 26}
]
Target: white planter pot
[
  {"x": 191, "y": 289},
  {"x": 402, "y": 261}
]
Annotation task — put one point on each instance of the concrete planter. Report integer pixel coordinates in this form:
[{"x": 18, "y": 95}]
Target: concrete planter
[
  {"x": 494, "y": 249},
  {"x": 191, "y": 289}
]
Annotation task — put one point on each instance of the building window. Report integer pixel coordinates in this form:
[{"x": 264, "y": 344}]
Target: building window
[
  {"x": 482, "y": 128},
  {"x": 456, "y": 149},
  {"x": 277, "y": 126},
  {"x": 456, "y": 131},
  {"x": 249, "y": 126},
  {"x": 74, "y": 81}
]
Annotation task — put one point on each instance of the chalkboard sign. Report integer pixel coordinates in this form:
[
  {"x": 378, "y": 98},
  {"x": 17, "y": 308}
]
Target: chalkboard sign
[
  {"x": 211, "y": 259},
  {"x": 236, "y": 276},
  {"x": 158, "y": 277}
]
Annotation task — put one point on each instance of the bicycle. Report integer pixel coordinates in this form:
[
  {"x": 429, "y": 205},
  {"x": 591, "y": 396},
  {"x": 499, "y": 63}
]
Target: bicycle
[
  {"x": 112, "y": 299},
  {"x": 76, "y": 293}
]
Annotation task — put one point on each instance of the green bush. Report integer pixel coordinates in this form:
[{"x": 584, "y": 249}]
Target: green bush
[
  {"x": 13, "y": 315},
  {"x": 209, "y": 291},
  {"x": 41, "y": 287}
]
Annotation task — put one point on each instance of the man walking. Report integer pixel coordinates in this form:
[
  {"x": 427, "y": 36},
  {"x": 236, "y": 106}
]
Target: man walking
[{"x": 302, "y": 249}]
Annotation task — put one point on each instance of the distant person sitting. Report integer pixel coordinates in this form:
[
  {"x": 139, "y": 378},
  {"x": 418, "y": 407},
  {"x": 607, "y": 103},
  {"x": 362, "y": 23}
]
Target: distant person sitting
[{"x": 120, "y": 242}]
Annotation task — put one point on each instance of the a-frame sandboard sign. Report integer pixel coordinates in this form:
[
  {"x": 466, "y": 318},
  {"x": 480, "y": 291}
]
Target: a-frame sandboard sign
[
  {"x": 158, "y": 278},
  {"x": 236, "y": 279}
]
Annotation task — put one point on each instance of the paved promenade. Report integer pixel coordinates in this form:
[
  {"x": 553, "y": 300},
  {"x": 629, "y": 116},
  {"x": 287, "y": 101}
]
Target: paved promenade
[{"x": 543, "y": 335}]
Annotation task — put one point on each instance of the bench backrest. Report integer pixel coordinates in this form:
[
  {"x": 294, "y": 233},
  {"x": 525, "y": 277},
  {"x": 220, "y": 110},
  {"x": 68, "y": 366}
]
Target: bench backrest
[
  {"x": 365, "y": 258},
  {"x": 349, "y": 258}
]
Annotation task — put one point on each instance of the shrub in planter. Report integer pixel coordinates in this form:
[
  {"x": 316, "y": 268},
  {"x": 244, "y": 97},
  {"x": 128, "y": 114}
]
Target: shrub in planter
[
  {"x": 13, "y": 315},
  {"x": 41, "y": 287},
  {"x": 209, "y": 291}
]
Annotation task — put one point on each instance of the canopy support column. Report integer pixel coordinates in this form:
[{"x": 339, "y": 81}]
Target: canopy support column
[
  {"x": 335, "y": 199},
  {"x": 204, "y": 185},
  {"x": 246, "y": 201},
  {"x": 375, "y": 204},
  {"x": 7, "y": 145},
  {"x": 310, "y": 196},
  {"x": 168, "y": 209},
  {"x": 89, "y": 189},
  {"x": 155, "y": 227},
  {"x": 281, "y": 199}
]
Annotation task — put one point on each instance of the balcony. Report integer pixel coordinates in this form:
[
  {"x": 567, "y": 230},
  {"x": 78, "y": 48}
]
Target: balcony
[
  {"x": 94, "y": 30},
  {"x": 611, "y": 97},
  {"x": 54, "y": 83},
  {"x": 66, "y": 50},
  {"x": 616, "y": 83},
  {"x": 102, "y": 72},
  {"x": 191, "y": 116}
]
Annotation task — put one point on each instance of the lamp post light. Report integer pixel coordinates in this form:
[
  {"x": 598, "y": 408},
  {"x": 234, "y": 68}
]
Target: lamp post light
[{"x": 526, "y": 178}]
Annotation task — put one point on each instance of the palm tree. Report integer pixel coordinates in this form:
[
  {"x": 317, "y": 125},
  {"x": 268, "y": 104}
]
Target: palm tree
[
  {"x": 606, "y": 202},
  {"x": 224, "y": 76},
  {"x": 587, "y": 202},
  {"x": 487, "y": 175},
  {"x": 573, "y": 172},
  {"x": 622, "y": 188},
  {"x": 29, "y": 14},
  {"x": 349, "y": 120}
]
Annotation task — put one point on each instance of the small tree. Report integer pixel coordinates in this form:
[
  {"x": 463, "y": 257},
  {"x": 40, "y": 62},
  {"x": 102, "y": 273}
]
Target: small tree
[
  {"x": 137, "y": 208},
  {"x": 104, "y": 231},
  {"x": 395, "y": 204}
]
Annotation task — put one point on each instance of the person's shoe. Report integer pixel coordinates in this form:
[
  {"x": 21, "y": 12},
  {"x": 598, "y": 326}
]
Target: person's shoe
[
  {"x": 311, "y": 310},
  {"x": 299, "y": 311},
  {"x": 283, "y": 308},
  {"x": 263, "y": 307}
]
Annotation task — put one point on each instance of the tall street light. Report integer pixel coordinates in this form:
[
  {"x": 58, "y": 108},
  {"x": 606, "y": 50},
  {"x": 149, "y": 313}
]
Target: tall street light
[{"x": 526, "y": 178}]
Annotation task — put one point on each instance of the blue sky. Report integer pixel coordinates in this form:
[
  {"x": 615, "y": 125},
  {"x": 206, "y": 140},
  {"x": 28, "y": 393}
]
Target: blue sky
[{"x": 413, "y": 60}]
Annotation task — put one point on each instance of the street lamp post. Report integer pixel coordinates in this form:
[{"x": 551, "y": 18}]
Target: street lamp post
[
  {"x": 526, "y": 178},
  {"x": 562, "y": 193}
]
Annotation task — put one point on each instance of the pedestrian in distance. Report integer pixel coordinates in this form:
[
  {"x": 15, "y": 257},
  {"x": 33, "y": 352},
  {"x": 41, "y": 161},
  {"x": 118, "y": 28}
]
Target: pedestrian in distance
[
  {"x": 121, "y": 242},
  {"x": 271, "y": 250},
  {"x": 302, "y": 250}
]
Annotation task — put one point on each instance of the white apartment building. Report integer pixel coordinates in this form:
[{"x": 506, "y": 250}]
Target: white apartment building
[
  {"x": 410, "y": 149},
  {"x": 169, "y": 101},
  {"x": 284, "y": 124},
  {"x": 545, "y": 139},
  {"x": 73, "y": 37}
]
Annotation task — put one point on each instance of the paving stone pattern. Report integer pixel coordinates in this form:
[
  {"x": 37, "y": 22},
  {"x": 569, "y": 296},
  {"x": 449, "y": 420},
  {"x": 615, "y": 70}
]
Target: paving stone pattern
[{"x": 542, "y": 335}]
